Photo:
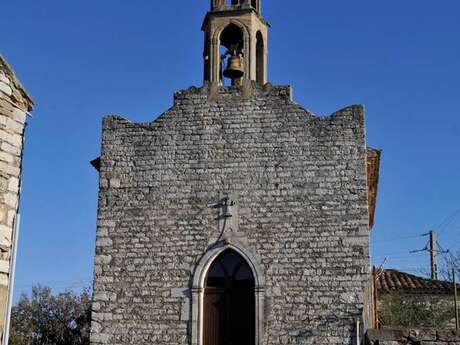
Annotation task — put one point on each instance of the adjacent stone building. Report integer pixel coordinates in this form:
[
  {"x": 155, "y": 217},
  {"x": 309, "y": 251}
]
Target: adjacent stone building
[
  {"x": 434, "y": 300},
  {"x": 412, "y": 336},
  {"x": 15, "y": 104},
  {"x": 236, "y": 217}
]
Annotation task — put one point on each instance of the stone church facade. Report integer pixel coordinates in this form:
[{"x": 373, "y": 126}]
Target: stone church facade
[{"x": 237, "y": 216}]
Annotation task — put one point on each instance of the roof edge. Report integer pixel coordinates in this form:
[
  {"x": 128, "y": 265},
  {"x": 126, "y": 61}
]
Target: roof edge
[
  {"x": 373, "y": 176},
  {"x": 389, "y": 281},
  {"x": 17, "y": 84}
]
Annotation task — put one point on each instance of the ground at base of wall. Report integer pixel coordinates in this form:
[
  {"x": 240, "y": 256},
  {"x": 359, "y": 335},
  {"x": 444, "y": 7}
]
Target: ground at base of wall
[{"x": 400, "y": 336}]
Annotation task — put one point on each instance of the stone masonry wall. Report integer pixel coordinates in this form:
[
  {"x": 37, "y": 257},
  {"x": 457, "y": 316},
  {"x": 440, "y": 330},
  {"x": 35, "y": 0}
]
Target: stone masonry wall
[
  {"x": 300, "y": 185},
  {"x": 14, "y": 104},
  {"x": 406, "y": 336}
]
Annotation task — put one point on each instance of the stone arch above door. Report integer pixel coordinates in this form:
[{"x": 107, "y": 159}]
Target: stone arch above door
[{"x": 213, "y": 252}]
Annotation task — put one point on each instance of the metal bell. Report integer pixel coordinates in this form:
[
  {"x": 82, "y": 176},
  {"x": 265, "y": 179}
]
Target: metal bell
[{"x": 235, "y": 69}]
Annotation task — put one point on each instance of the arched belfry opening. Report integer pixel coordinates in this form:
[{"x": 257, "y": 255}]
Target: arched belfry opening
[
  {"x": 221, "y": 4},
  {"x": 260, "y": 58},
  {"x": 232, "y": 54},
  {"x": 230, "y": 49},
  {"x": 229, "y": 301}
]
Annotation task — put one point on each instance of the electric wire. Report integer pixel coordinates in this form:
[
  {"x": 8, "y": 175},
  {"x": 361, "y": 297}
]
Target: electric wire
[{"x": 448, "y": 221}]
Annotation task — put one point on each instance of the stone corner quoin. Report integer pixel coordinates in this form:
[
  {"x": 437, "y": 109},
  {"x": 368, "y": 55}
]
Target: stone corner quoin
[{"x": 15, "y": 104}]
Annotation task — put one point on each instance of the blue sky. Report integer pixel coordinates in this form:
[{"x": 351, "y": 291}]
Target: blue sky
[{"x": 84, "y": 59}]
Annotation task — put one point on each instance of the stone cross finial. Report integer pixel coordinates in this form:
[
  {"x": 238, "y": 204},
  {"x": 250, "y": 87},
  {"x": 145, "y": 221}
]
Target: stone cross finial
[{"x": 227, "y": 206}]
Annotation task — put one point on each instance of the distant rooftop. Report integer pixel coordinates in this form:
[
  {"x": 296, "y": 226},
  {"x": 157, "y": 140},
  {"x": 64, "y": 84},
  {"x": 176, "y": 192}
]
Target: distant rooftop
[{"x": 390, "y": 280}]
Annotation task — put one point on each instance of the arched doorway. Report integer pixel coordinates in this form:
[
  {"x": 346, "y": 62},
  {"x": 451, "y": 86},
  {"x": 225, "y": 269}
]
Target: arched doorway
[{"x": 229, "y": 301}]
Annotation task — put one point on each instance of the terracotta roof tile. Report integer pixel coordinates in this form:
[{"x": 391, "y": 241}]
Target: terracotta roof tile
[{"x": 394, "y": 281}]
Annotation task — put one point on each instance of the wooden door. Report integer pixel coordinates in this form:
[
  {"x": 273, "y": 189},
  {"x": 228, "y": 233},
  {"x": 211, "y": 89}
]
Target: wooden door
[{"x": 214, "y": 316}]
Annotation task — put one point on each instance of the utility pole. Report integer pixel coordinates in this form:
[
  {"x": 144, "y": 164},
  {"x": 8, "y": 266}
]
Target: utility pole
[
  {"x": 433, "y": 255},
  {"x": 433, "y": 248},
  {"x": 457, "y": 320}
]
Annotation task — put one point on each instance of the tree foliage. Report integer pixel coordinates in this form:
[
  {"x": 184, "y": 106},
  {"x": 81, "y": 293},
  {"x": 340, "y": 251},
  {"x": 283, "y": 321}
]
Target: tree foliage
[
  {"x": 47, "y": 319},
  {"x": 415, "y": 312},
  {"x": 451, "y": 261}
]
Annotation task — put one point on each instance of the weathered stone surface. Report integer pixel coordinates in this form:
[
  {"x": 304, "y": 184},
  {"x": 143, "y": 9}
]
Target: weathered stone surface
[
  {"x": 402, "y": 336},
  {"x": 6, "y": 89},
  {"x": 14, "y": 149},
  {"x": 7, "y": 157},
  {"x": 4, "y": 79},
  {"x": 5, "y": 231},
  {"x": 15, "y": 127},
  {"x": 300, "y": 182},
  {"x": 4, "y": 266},
  {"x": 99, "y": 338},
  {"x": 449, "y": 335},
  {"x": 13, "y": 185},
  {"x": 374, "y": 335},
  {"x": 425, "y": 334},
  {"x": 19, "y": 115}
]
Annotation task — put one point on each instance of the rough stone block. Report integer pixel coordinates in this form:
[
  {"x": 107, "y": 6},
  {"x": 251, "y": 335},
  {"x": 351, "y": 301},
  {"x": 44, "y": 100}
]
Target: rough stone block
[
  {"x": 449, "y": 335},
  {"x": 5, "y": 243},
  {"x": 99, "y": 338},
  {"x": 4, "y": 79},
  {"x": 424, "y": 334},
  {"x": 19, "y": 116},
  {"x": 15, "y": 127},
  {"x": 179, "y": 292},
  {"x": 14, "y": 149},
  {"x": 10, "y": 199},
  {"x": 7, "y": 157},
  {"x": 13, "y": 185},
  {"x": 6, "y": 89},
  {"x": 10, "y": 218},
  {"x": 103, "y": 259},
  {"x": 4, "y": 266},
  {"x": 4, "y": 281},
  {"x": 103, "y": 242},
  {"x": 5, "y": 231}
]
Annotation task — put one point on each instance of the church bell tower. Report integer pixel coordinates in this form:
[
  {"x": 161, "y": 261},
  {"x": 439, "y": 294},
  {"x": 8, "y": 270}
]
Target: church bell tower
[{"x": 235, "y": 46}]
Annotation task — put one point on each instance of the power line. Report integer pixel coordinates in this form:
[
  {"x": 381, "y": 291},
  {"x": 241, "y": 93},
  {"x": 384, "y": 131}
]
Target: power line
[
  {"x": 391, "y": 254},
  {"x": 399, "y": 258},
  {"x": 448, "y": 220},
  {"x": 400, "y": 238}
]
